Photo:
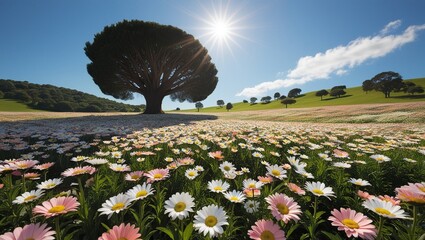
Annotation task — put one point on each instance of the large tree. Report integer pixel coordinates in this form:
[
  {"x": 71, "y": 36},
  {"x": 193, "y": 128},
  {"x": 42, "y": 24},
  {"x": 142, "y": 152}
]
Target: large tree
[
  {"x": 322, "y": 93},
  {"x": 367, "y": 86},
  {"x": 387, "y": 82},
  {"x": 294, "y": 92},
  {"x": 153, "y": 60}
]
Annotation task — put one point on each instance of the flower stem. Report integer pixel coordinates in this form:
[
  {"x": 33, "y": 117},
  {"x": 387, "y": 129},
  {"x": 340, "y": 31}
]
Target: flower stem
[
  {"x": 412, "y": 231},
  {"x": 381, "y": 223},
  {"x": 58, "y": 229}
]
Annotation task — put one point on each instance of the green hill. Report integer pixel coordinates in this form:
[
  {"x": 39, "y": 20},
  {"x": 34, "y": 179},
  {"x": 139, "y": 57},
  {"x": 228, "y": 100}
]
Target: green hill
[
  {"x": 9, "y": 105},
  {"x": 354, "y": 95},
  {"x": 20, "y": 96}
]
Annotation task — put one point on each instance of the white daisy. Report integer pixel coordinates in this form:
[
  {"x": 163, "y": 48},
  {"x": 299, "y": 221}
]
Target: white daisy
[
  {"x": 49, "y": 184},
  {"x": 97, "y": 161},
  {"x": 276, "y": 171},
  {"x": 115, "y": 204},
  {"x": 251, "y": 184},
  {"x": 227, "y": 167},
  {"x": 29, "y": 196},
  {"x": 359, "y": 182},
  {"x": 384, "y": 208},
  {"x": 179, "y": 205},
  {"x": 319, "y": 189},
  {"x": 140, "y": 191},
  {"x": 191, "y": 173},
  {"x": 209, "y": 220},
  {"x": 251, "y": 206},
  {"x": 218, "y": 186},
  {"x": 235, "y": 196},
  {"x": 380, "y": 158}
]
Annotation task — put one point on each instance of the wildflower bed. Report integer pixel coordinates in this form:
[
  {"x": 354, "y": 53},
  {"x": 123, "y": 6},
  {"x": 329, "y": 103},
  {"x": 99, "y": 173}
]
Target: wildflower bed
[{"x": 212, "y": 179}]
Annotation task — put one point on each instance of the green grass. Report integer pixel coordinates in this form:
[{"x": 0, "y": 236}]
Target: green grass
[
  {"x": 8, "y": 105},
  {"x": 354, "y": 96}
]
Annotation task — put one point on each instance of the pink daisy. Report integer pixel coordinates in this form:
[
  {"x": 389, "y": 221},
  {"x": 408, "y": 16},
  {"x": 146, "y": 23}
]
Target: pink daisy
[
  {"x": 157, "y": 175},
  {"x": 34, "y": 231},
  {"x": 390, "y": 199},
  {"x": 283, "y": 207},
  {"x": 353, "y": 223},
  {"x": 78, "y": 171},
  {"x": 364, "y": 195},
  {"x": 128, "y": 232},
  {"x": 414, "y": 193},
  {"x": 265, "y": 180},
  {"x": 216, "y": 155},
  {"x": 57, "y": 206},
  {"x": 44, "y": 166},
  {"x": 134, "y": 176},
  {"x": 296, "y": 189},
  {"x": 266, "y": 229},
  {"x": 25, "y": 164}
]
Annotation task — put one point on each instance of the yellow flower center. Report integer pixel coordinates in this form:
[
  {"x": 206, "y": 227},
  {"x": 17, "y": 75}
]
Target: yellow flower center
[
  {"x": 117, "y": 206},
  {"x": 218, "y": 188},
  {"x": 350, "y": 223},
  {"x": 275, "y": 172},
  {"x": 30, "y": 238},
  {"x": 50, "y": 185},
  {"x": 317, "y": 191},
  {"x": 191, "y": 174},
  {"x": 283, "y": 209},
  {"x": 251, "y": 185},
  {"x": 422, "y": 188},
  {"x": 56, "y": 209},
  {"x": 141, "y": 193},
  {"x": 157, "y": 176},
  {"x": 180, "y": 206},
  {"x": 383, "y": 211},
  {"x": 234, "y": 198},
  {"x": 227, "y": 168},
  {"x": 78, "y": 171},
  {"x": 135, "y": 177},
  {"x": 29, "y": 198},
  {"x": 210, "y": 221},
  {"x": 267, "y": 235}
]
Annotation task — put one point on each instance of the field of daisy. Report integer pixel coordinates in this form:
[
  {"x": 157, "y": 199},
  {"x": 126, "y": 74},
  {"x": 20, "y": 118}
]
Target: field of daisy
[{"x": 181, "y": 177}]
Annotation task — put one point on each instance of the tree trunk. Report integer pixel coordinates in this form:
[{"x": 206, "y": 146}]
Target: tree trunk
[
  {"x": 153, "y": 103},
  {"x": 286, "y": 105}
]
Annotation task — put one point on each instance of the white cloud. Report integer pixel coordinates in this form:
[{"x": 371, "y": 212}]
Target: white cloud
[
  {"x": 338, "y": 59},
  {"x": 390, "y": 26}
]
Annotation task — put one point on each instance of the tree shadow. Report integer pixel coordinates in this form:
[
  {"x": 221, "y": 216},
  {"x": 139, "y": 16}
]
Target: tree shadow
[
  {"x": 416, "y": 96},
  {"x": 300, "y": 95},
  {"x": 332, "y": 98}
]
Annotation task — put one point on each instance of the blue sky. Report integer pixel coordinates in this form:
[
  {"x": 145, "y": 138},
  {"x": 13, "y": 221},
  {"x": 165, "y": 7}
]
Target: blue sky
[{"x": 274, "y": 45}]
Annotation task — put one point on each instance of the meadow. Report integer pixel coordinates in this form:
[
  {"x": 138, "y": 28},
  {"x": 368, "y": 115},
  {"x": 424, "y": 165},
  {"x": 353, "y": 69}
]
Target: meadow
[{"x": 181, "y": 176}]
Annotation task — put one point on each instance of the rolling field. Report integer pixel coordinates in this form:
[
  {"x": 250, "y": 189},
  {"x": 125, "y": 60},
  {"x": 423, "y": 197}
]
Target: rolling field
[
  {"x": 354, "y": 96},
  {"x": 9, "y": 105}
]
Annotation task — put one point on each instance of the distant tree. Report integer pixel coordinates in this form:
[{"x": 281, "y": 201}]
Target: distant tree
[
  {"x": 367, "y": 86},
  {"x": 322, "y": 93},
  {"x": 229, "y": 106},
  {"x": 1, "y": 94},
  {"x": 92, "y": 108},
  {"x": 22, "y": 96},
  {"x": 266, "y": 99},
  {"x": 220, "y": 103},
  {"x": 339, "y": 87},
  {"x": 337, "y": 92},
  {"x": 282, "y": 97},
  {"x": 199, "y": 105},
  {"x": 253, "y": 100},
  {"x": 6, "y": 86},
  {"x": 64, "y": 106},
  {"x": 415, "y": 89},
  {"x": 153, "y": 60},
  {"x": 245, "y": 101},
  {"x": 287, "y": 101},
  {"x": 276, "y": 95},
  {"x": 386, "y": 82},
  {"x": 178, "y": 109},
  {"x": 294, "y": 92}
]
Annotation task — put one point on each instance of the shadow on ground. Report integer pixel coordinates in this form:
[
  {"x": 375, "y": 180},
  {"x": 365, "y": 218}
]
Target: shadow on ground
[{"x": 95, "y": 124}]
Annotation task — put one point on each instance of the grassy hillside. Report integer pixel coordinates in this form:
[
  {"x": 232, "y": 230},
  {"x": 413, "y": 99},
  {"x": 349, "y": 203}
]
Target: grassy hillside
[
  {"x": 354, "y": 96},
  {"x": 7, "y": 105}
]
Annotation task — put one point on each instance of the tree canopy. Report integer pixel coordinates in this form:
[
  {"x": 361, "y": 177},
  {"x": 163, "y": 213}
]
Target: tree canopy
[
  {"x": 294, "y": 92},
  {"x": 322, "y": 93},
  {"x": 229, "y": 106},
  {"x": 150, "y": 59},
  {"x": 199, "y": 105},
  {"x": 287, "y": 101},
  {"x": 386, "y": 82},
  {"x": 220, "y": 103},
  {"x": 367, "y": 85}
]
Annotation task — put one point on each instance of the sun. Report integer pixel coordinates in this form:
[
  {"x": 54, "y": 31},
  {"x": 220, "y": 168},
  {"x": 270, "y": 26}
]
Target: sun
[{"x": 221, "y": 28}]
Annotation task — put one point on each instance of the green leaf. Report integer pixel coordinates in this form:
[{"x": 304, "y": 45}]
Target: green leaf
[
  {"x": 166, "y": 231},
  {"x": 188, "y": 232},
  {"x": 293, "y": 228},
  {"x": 332, "y": 236}
]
